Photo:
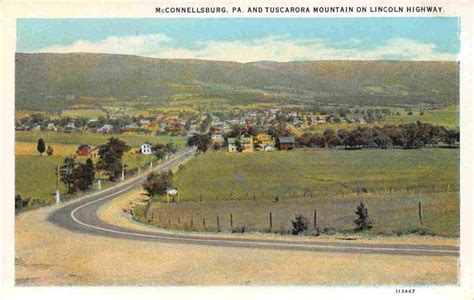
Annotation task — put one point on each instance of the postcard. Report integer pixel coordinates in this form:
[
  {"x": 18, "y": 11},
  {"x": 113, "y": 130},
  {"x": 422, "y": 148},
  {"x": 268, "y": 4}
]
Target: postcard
[{"x": 318, "y": 147}]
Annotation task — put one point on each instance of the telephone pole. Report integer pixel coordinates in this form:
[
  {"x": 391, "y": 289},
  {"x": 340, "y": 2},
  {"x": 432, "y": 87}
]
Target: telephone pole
[
  {"x": 58, "y": 196},
  {"x": 123, "y": 170}
]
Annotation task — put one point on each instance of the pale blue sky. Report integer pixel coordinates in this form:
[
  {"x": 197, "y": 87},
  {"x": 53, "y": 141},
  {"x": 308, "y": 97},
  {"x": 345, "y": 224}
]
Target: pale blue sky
[{"x": 244, "y": 39}]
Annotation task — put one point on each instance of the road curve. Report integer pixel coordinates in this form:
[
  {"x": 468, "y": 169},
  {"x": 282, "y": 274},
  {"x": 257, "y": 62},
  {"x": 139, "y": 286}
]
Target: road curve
[{"x": 81, "y": 216}]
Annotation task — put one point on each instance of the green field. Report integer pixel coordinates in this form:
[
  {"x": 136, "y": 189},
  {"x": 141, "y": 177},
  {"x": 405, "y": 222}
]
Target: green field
[
  {"x": 132, "y": 139},
  {"x": 237, "y": 176},
  {"x": 391, "y": 214},
  {"x": 447, "y": 116},
  {"x": 35, "y": 176},
  {"x": 391, "y": 182}
]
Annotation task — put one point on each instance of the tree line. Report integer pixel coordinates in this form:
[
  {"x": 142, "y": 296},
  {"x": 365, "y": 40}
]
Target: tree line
[{"x": 407, "y": 136}]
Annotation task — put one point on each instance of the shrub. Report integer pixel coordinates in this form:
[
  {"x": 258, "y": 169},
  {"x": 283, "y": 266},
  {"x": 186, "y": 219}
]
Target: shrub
[
  {"x": 300, "y": 224},
  {"x": 362, "y": 222}
]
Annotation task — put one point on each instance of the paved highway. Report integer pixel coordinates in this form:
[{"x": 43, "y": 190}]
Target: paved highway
[{"x": 81, "y": 216}]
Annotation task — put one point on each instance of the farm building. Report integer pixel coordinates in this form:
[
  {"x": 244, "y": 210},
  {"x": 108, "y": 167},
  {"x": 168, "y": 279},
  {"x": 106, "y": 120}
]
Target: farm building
[
  {"x": 83, "y": 150},
  {"x": 285, "y": 143},
  {"x": 247, "y": 144},
  {"x": 217, "y": 138},
  {"x": 146, "y": 148},
  {"x": 267, "y": 147},
  {"x": 232, "y": 144}
]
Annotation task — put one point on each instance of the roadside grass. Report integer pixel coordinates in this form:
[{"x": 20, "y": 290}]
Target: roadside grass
[
  {"x": 391, "y": 214},
  {"x": 35, "y": 176},
  {"x": 132, "y": 139},
  {"x": 317, "y": 173}
]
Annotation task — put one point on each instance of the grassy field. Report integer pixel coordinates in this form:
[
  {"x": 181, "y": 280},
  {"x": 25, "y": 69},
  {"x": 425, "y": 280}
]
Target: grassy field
[
  {"x": 132, "y": 139},
  {"x": 391, "y": 182},
  {"x": 447, "y": 116},
  {"x": 29, "y": 149},
  {"x": 35, "y": 176},
  {"x": 391, "y": 214},
  {"x": 237, "y": 176}
]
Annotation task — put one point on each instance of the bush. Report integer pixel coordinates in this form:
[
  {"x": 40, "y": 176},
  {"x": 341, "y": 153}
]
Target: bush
[
  {"x": 300, "y": 224},
  {"x": 362, "y": 222},
  {"x": 22, "y": 203}
]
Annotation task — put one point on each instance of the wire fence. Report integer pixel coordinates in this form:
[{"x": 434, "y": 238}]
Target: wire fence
[{"x": 396, "y": 216}]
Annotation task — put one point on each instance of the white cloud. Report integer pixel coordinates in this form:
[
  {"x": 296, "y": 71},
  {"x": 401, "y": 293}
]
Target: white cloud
[
  {"x": 269, "y": 48},
  {"x": 138, "y": 44}
]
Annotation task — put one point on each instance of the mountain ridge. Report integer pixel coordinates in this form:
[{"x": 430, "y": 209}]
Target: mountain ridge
[{"x": 41, "y": 77}]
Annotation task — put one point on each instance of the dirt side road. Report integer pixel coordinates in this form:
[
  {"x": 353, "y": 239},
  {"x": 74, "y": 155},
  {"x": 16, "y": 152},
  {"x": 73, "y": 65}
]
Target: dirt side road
[{"x": 49, "y": 255}]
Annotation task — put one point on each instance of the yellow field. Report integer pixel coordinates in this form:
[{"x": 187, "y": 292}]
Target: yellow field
[
  {"x": 29, "y": 149},
  {"x": 82, "y": 113}
]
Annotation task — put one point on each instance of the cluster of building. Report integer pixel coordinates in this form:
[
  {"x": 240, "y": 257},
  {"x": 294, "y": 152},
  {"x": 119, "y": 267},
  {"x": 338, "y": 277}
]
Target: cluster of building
[{"x": 248, "y": 143}]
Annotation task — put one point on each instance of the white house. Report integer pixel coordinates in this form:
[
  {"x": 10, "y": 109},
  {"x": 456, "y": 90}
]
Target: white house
[
  {"x": 231, "y": 142},
  {"x": 217, "y": 138},
  {"x": 267, "y": 147},
  {"x": 146, "y": 148}
]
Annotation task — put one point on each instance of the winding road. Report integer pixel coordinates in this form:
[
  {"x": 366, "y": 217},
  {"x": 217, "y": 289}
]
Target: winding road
[{"x": 81, "y": 216}]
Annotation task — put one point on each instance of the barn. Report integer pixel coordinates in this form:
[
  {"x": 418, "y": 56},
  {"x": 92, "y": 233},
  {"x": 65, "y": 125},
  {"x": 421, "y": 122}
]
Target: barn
[
  {"x": 285, "y": 143},
  {"x": 83, "y": 150}
]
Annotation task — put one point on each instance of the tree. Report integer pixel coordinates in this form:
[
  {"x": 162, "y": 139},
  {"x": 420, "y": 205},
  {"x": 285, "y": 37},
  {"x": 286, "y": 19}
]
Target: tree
[
  {"x": 343, "y": 137},
  {"x": 157, "y": 183},
  {"x": 50, "y": 151},
  {"x": 20, "y": 203},
  {"x": 79, "y": 176},
  {"x": 451, "y": 136},
  {"x": 89, "y": 172},
  {"x": 300, "y": 224},
  {"x": 66, "y": 173},
  {"x": 201, "y": 141},
  {"x": 331, "y": 139},
  {"x": 111, "y": 157},
  {"x": 159, "y": 154},
  {"x": 362, "y": 222},
  {"x": 41, "y": 147}
]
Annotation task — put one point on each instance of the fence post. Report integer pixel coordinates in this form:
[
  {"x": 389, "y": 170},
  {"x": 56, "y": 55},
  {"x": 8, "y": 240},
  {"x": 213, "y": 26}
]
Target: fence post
[
  {"x": 231, "y": 221},
  {"x": 420, "y": 212},
  {"x": 218, "y": 226},
  {"x": 447, "y": 189},
  {"x": 203, "y": 222},
  {"x": 179, "y": 220},
  {"x": 271, "y": 221},
  {"x": 315, "y": 219}
]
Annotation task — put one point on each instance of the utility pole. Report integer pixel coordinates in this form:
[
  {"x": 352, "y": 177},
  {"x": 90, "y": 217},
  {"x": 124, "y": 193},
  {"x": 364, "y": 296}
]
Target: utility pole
[
  {"x": 99, "y": 183},
  {"x": 58, "y": 197},
  {"x": 123, "y": 170},
  {"x": 139, "y": 162}
]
